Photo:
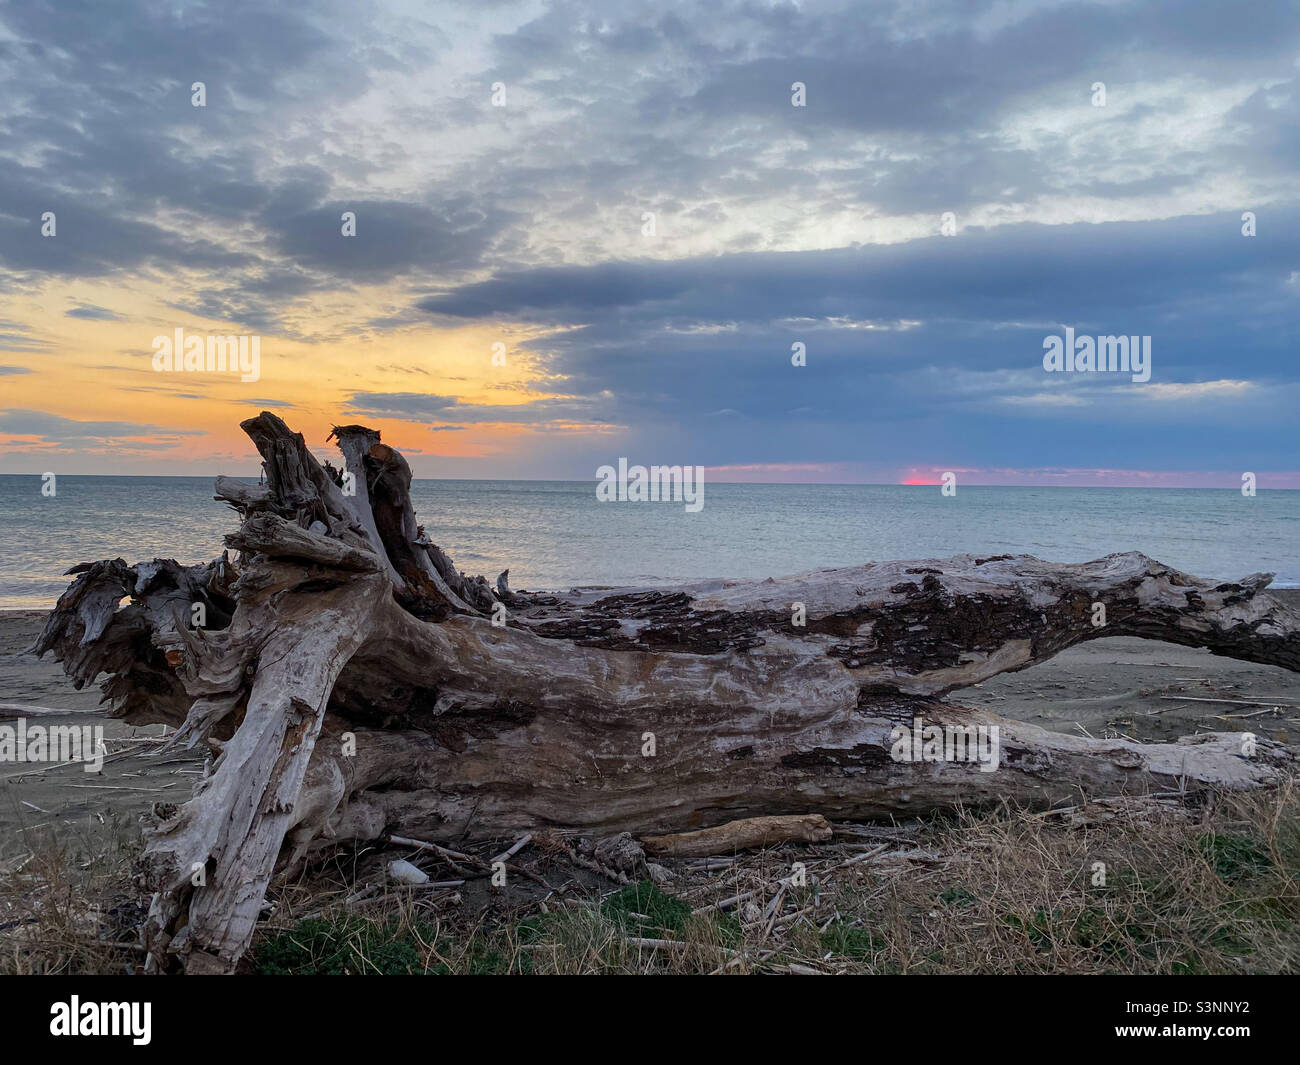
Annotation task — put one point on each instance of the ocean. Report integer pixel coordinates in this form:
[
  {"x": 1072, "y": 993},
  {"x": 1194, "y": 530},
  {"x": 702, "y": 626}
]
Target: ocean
[{"x": 556, "y": 534}]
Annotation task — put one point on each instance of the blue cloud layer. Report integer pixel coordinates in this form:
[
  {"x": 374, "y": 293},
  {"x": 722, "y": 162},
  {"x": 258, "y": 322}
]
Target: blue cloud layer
[{"x": 777, "y": 224}]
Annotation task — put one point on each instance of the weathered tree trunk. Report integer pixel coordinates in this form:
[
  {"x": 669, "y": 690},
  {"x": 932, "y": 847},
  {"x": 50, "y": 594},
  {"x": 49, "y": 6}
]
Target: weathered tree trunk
[{"x": 354, "y": 683}]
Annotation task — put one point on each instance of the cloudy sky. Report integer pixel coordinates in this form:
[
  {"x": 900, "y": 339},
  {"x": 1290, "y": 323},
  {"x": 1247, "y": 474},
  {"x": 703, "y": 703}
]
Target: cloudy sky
[{"x": 623, "y": 201}]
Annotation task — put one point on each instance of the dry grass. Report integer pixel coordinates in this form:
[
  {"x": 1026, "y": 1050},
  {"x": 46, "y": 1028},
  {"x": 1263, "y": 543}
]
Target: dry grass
[
  {"x": 67, "y": 903},
  {"x": 994, "y": 892}
]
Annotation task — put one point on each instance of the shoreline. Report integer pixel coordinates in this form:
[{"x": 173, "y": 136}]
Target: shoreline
[{"x": 256, "y": 477}]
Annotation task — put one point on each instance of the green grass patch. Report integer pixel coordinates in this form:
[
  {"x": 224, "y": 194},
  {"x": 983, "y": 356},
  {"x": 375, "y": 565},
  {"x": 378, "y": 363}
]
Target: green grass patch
[
  {"x": 346, "y": 946},
  {"x": 1234, "y": 857},
  {"x": 643, "y": 910},
  {"x": 850, "y": 941}
]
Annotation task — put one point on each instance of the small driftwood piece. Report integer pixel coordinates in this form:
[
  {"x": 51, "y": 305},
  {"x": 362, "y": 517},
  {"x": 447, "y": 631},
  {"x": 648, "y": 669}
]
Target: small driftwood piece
[{"x": 747, "y": 834}]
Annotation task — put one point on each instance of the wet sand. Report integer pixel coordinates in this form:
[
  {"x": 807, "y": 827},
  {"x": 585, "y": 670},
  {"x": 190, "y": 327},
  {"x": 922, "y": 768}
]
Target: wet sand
[{"x": 1109, "y": 687}]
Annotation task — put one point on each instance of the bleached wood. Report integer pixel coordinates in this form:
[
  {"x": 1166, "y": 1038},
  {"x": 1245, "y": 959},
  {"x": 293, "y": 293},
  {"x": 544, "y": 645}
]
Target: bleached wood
[{"x": 741, "y": 835}]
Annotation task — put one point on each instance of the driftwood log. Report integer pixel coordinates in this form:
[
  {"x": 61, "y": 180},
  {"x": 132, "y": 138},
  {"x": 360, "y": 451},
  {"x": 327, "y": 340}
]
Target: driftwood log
[
  {"x": 352, "y": 683},
  {"x": 746, "y": 834}
]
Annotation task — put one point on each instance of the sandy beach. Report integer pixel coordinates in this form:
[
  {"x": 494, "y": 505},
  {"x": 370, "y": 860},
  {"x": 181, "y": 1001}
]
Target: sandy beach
[
  {"x": 1120, "y": 686},
  {"x": 67, "y": 797}
]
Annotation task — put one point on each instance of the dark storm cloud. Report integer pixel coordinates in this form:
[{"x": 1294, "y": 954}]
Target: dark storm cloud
[
  {"x": 423, "y": 406},
  {"x": 391, "y": 238},
  {"x": 939, "y": 333},
  {"x": 225, "y": 41},
  {"x": 254, "y": 301},
  {"x": 955, "y": 79},
  {"x": 400, "y": 404},
  {"x": 54, "y": 429},
  {"x": 93, "y": 314},
  {"x": 14, "y": 336},
  {"x": 89, "y": 239},
  {"x": 996, "y": 275}
]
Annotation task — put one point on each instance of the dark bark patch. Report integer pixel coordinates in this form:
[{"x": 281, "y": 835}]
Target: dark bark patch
[{"x": 861, "y": 755}]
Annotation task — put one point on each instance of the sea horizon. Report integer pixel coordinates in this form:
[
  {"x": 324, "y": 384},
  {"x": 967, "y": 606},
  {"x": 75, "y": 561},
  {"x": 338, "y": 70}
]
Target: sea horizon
[
  {"x": 554, "y": 534},
  {"x": 253, "y": 477}
]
